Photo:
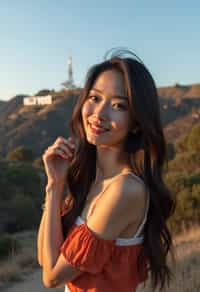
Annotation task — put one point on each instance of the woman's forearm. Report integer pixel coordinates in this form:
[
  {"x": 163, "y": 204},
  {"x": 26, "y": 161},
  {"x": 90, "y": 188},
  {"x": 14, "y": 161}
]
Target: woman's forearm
[
  {"x": 40, "y": 238},
  {"x": 53, "y": 235}
]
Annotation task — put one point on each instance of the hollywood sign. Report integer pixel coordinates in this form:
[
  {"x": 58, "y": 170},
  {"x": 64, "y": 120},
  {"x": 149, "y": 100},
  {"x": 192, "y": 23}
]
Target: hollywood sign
[{"x": 37, "y": 100}]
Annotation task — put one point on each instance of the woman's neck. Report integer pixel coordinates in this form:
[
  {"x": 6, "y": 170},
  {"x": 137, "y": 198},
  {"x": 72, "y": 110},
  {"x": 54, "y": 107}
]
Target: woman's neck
[{"x": 107, "y": 175}]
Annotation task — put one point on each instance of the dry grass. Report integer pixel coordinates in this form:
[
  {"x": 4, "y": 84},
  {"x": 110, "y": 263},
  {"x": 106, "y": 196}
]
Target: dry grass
[
  {"x": 17, "y": 266},
  {"x": 187, "y": 268}
]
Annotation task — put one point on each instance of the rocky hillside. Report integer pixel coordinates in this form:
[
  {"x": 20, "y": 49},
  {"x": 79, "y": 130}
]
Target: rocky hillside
[{"x": 38, "y": 126}]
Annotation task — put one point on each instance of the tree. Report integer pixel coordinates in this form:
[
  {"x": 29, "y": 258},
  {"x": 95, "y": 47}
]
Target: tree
[
  {"x": 170, "y": 151},
  {"x": 186, "y": 161},
  {"x": 176, "y": 181},
  {"x": 193, "y": 142},
  {"x": 25, "y": 177},
  {"x": 43, "y": 92},
  {"x": 38, "y": 162},
  {"x": 8, "y": 244},
  {"x": 181, "y": 144},
  {"x": 25, "y": 211},
  {"x": 21, "y": 153}
]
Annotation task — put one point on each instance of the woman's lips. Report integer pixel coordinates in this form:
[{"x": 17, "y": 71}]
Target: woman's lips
[{"x": 97, "y": 130}]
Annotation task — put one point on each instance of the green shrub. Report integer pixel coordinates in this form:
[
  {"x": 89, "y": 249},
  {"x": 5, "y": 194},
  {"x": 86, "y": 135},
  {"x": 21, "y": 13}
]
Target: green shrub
[
  {"x": 21, "y": 153},
  {"x": 25, "y": 212},
  {"x": 189, "y": 142},
  {"x": 170, "y": 151},
  {"x": 181, "y": 144},
  {"x": 21, "y": 195},
  {"x": 8, "y": 244},
  {"x": 194, "y": 179},
  {"x": 186, "y": 161},
  {"x": 193, "y": 141},
  {"x": 38, "y": 162},
  {"x": 187, "y": 210},
  {"x": 26, "y": 177},
  {"x": 176, "y": 181},
  {"x": 6, "y": 189}
]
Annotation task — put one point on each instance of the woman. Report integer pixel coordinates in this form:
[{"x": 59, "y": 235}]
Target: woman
[{"x": 110, "y": 230}]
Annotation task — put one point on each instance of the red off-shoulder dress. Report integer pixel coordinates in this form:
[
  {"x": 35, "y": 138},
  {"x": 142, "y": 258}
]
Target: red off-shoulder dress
[{"x": 108, "y": 265}]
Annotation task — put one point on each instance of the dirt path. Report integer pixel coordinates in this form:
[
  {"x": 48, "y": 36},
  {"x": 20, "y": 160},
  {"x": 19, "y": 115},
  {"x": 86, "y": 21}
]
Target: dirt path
[{"x": 33, "y": 283}]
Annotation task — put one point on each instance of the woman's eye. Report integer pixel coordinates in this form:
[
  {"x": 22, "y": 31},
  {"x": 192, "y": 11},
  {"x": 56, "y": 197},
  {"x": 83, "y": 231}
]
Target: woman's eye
[
  {"x": 93, "y": 97},
  {"x": 119, "y": 106}
]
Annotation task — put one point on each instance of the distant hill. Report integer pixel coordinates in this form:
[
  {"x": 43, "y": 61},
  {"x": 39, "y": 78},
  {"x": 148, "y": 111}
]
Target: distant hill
[
  {"x": 181, "y": 126},
  {"x": 2, "y": 104},
  {"x": 38, "y": 126},
  {"x": 10, "y": 106},
  {"x": 180, "y": 91},
  {"x": 180, "y": 109}
]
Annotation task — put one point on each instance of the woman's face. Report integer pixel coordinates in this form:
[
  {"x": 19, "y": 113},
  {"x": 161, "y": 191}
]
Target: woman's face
[{"x": 105, "y": 112}]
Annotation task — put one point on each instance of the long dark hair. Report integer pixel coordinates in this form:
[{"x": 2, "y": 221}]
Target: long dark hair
[{"x": 147, "y": 149}]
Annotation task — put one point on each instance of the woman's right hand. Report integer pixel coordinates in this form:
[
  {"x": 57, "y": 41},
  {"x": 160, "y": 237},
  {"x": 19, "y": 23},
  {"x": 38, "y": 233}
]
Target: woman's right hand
[{"x": 56, "y": 159}]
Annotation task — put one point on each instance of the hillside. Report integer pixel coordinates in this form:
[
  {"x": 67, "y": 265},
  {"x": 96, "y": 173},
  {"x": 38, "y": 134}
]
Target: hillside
[
  {"x": 180, "y": 91},
  {"x": 34, "y": 125},
  {"x": 38, "y": 126},
  {"x": 2, "y": 104},
  {"x": 181, "y": 126}
]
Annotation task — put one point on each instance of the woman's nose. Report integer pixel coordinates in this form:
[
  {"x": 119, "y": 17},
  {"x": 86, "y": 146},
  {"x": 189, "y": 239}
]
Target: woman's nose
[{"x": 101, "y": 110}]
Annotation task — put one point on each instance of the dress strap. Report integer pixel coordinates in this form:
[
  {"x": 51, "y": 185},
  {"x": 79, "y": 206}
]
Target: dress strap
[
  {"x": 140, "y": 228},
  {"x": 146, "y": 209}
]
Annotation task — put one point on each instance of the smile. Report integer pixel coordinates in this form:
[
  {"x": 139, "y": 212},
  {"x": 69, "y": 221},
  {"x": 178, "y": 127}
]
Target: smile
[{"x": 97, "y": 130}]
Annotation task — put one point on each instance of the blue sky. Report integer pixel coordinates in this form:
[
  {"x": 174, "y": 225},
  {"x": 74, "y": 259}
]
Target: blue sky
[{"x": 36, "y": 36}]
